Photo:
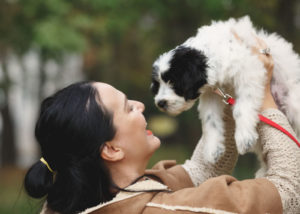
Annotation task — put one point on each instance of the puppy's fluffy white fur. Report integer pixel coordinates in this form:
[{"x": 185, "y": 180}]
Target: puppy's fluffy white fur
[{"x": 233, "y": 67}]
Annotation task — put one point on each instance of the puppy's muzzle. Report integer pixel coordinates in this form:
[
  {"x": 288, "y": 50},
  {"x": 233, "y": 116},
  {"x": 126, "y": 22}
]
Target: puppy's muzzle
[{"x": 163, "y": 104}]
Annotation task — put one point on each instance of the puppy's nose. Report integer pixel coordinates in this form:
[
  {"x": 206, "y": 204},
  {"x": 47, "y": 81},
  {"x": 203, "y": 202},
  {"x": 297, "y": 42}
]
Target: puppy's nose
[{"x": 162, "y": 103}]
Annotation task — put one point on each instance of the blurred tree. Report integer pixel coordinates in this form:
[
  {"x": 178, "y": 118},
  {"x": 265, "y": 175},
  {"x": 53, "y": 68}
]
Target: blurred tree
[
  {"x": 8, "y": 41},
  {"x": 53, "y": 31},
  {"x": 118, "y": 41},
  {"x": 46, "y": 27}
]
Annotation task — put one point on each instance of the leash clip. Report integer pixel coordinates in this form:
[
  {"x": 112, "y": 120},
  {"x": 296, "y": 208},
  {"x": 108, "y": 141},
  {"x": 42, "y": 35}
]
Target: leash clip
[{"x": 226, "y": 97}]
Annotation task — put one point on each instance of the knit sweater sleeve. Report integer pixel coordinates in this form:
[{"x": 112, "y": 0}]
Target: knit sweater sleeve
[
  {"x": 200, "y": 170},
  {"x": 282, "y": 157}
]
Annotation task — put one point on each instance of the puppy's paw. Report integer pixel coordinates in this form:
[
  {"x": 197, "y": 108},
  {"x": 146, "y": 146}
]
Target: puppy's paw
[
  {"x": 213, "y": 152},
  {"x": 245, "y": 141}
]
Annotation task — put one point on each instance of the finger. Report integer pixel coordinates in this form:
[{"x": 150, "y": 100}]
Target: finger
[
  {"x": 261, "y": 43},
  {"x": 255, "y": 48},
  {"x": 266, "y": 59},
  {"x": 261, "y": 46},
  {"x": 236, "y": 36}
]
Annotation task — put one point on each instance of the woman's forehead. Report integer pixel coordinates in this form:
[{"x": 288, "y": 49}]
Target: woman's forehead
[{"x": 110, "y": 96}]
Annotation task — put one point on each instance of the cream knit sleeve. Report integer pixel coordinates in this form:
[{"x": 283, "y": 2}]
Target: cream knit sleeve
[
  {"x": 200, "y": 170},
  {"x": 282, "y": 157}
]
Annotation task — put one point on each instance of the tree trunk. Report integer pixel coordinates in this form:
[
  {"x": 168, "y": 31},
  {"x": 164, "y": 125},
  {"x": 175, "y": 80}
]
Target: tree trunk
[
  {"x": 8, "y": 142},
  {"x": 8, "y": 148},
  {"x": 42, "y": 79}
]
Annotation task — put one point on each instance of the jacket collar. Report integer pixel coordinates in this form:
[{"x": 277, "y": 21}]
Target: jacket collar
[
  {"x": 144, "y": 185},
  {"x": 122, "y": 195}
]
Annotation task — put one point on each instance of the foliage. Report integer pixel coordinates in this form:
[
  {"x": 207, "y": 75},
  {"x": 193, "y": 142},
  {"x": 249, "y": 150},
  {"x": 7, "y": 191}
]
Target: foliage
[{"x": 119, "y": 39}]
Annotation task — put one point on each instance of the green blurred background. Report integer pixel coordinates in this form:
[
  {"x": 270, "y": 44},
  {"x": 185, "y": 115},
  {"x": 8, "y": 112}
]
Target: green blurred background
[{"x": 48, "y": 44}]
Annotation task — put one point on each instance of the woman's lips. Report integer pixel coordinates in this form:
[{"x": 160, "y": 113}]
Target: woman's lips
[{"x": 149, "y": 132}]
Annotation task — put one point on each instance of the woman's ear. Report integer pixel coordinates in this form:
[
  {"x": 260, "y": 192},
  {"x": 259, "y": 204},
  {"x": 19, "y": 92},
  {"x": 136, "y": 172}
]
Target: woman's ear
[{"x": 111, "y": 153}]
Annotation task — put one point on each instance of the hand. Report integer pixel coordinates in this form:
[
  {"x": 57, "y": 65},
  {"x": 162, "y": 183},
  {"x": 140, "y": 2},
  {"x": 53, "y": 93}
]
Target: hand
[{"x": 268, "y": 62}]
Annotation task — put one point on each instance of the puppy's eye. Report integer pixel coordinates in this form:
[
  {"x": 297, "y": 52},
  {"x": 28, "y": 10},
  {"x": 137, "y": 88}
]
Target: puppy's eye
[{"x": 154, "y": 87}]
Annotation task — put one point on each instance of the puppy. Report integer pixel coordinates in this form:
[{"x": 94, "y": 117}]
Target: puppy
[{"x": 214, "y": 58}]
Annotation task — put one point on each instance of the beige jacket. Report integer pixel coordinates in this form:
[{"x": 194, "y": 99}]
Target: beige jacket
[{"x": 223, "y": 194}]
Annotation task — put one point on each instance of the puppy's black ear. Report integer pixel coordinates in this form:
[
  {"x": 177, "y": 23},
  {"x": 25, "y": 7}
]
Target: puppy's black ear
[{"x": 189, "y": 66}]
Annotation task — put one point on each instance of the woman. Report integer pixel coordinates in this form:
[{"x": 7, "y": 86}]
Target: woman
[{"x": 95, "y": 149}]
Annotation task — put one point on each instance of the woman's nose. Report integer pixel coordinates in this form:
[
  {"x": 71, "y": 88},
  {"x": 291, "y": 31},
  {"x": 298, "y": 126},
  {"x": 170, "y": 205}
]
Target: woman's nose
[{"x": 140, "y": 106}]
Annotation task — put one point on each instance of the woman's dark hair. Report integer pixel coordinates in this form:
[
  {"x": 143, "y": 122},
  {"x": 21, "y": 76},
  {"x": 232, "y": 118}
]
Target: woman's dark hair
[{"x": 71, "y": 129}]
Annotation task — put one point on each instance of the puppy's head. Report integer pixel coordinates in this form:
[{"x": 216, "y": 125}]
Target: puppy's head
[{"x": 177, "y": 77}]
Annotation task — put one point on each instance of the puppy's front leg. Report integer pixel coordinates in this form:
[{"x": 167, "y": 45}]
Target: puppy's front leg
[
  {"x": 245, "y": 113},
  {"x": 211, "y": 114}
]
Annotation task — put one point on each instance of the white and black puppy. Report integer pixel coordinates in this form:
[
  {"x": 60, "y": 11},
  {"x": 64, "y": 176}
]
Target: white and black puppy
[{"x": 215, "y": 58}]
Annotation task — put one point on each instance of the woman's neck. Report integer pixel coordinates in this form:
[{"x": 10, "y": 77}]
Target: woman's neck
[{"x": 124, "y": 175}]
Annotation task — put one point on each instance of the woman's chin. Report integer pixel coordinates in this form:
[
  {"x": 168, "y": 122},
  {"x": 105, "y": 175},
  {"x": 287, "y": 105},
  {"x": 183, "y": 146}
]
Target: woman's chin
[{"x": 154, "y": 142}]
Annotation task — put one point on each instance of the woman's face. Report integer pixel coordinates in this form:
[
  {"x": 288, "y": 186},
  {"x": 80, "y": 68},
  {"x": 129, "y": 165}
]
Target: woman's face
[{"x": 137, "y": 143}]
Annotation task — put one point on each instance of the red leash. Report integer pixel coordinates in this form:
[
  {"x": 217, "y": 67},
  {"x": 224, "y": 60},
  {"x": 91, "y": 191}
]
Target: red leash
[
  {"x": 230, "y": 101},
  {"x": 275, "y": 125}
]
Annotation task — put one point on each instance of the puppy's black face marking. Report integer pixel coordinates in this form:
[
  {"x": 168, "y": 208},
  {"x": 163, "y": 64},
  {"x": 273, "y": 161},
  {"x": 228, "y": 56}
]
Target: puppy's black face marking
[{"x": 187, "y": 73}]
